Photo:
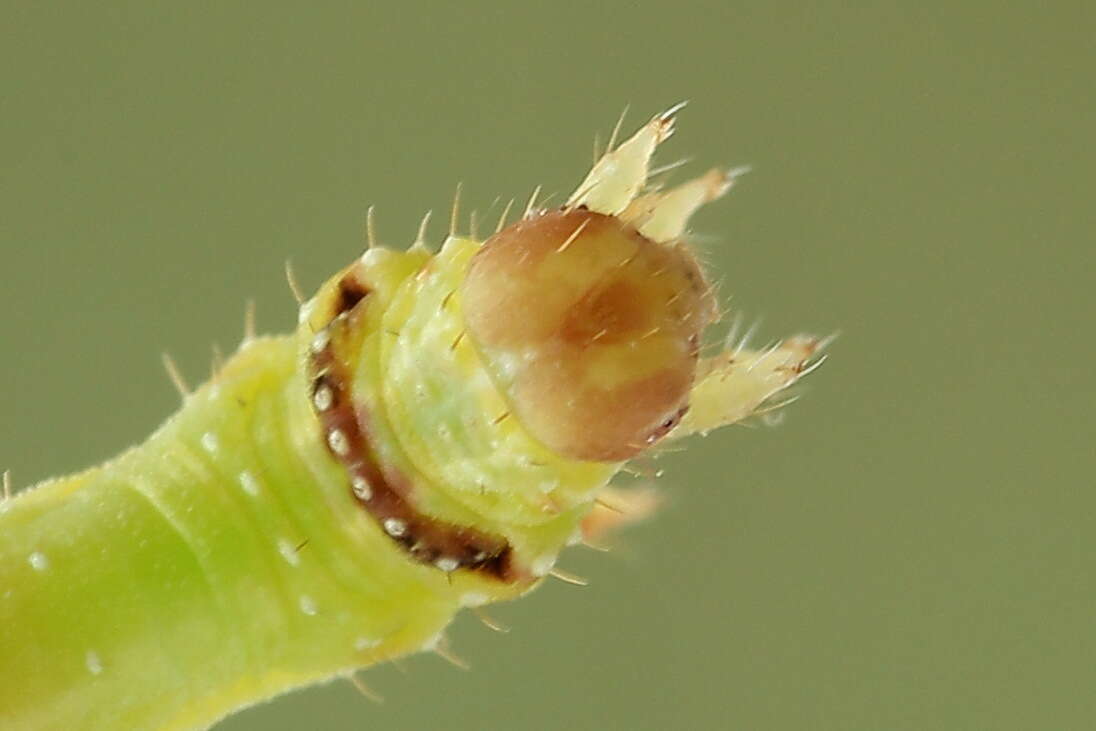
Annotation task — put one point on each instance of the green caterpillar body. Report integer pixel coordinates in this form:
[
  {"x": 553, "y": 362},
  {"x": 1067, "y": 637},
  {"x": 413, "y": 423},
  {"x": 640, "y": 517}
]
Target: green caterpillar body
[
  {"x": 435, "y": 432},
  {"x": 233, "y": 534}
]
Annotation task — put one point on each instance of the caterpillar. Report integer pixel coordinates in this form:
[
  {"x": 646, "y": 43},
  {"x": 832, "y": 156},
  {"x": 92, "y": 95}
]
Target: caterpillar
[{"x": 436, "y": 430}]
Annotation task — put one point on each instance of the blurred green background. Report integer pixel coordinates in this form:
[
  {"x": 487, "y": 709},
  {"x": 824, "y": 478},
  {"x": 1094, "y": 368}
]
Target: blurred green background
[{"x": 912, "y": 549}]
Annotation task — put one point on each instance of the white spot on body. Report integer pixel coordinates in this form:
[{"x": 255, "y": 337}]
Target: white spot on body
[
  {"x": 323, "y": 398},
  {"x": 210, "y": 443},
  {"x": 38, "y": 561},
  {"x": 365, "y": 643},
  {"x": 361, "y": 488},
  {"x": 432, "y": 644},
  {"x": 93, "y": 663},
  {"x": 373, "y": 256},
  {"x": 395, "y": 527},
  {"x": 320, "y": 341},
  {"x": 447, "y": 564},
  {"x": 474, "y": 599},
  {"x": 307, "y": 605},
  {"x": 305, "y": 312},
  {"x": 249, "y": 484},
  {"x": 289, "y": 552},
  {"x": 338, "y": 442},
  {"x": 542, "y": 565},
  {"x": 509, "y": 365}
]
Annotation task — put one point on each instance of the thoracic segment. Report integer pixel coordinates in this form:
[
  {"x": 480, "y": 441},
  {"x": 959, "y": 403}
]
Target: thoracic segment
[{"x": 383, "y": 492}]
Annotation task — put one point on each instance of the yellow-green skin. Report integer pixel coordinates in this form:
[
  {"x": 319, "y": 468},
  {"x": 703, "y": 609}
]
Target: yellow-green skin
[{"x": 225, "y": 560}]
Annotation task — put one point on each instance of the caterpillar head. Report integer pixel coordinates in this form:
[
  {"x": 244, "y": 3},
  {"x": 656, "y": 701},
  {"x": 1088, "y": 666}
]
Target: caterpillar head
[
  {"x": 591, "y": 328},
  {"x": 499, "y": 385}
]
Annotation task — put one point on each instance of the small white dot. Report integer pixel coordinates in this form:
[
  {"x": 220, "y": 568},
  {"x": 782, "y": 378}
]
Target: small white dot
[
  {"x": 474, "y": 599},
  {"x": 38, "y": 561},
  {"x": 215, "y": 392},
  {"x": 395, "y": 527},
  {"x": 365, "y": 643},
  {"x": 361, "y": 488},
  {"x": 209, "y": 442},
  {"x": 374, "y": 256},
  {"x": 308, "y": 606},
  {"x": 305, "y": 313},
  {"x": 94, "y": 664},
  {"x": 338, "y": 442},
  {"x": 323, "y": 398},
  {"x": 447, "y": 564},
  {"x": 320, "y": 341},
  {"x": 289, "y": 552},
  {"x": 249, "y": 483},
  {"x": 543, "y": 565}
]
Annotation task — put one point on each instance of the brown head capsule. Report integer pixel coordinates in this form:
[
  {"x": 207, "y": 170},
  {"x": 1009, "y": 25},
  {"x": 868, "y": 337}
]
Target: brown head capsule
[{"x": 590, "y": 328}]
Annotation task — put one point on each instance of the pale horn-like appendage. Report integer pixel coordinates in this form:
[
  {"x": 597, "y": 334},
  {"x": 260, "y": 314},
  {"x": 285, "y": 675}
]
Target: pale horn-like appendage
[
  {"x": 616, "y": 179},
  {"x": 664, "y": 215},
  {"x": 737, "y": 384}
]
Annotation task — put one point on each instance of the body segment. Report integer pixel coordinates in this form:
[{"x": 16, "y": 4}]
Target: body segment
[{"x": 218, "y": 563}]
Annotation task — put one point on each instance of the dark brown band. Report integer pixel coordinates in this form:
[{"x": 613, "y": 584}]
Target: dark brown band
[{"x": 382, "y": 490}]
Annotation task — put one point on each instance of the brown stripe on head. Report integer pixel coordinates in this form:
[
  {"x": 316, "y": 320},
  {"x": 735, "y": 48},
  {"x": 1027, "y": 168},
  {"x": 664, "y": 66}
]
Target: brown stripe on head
[{"x": 590, "y": 328}]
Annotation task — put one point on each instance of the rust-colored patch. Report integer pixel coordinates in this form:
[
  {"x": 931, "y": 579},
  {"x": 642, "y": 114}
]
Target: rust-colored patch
[{"x": 383, "y": 491}]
